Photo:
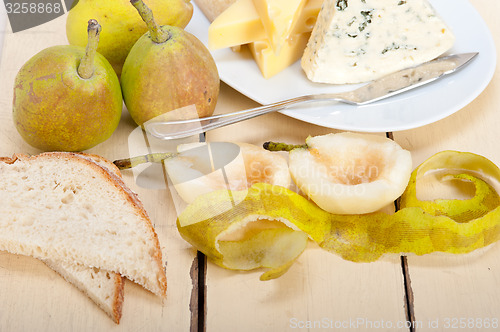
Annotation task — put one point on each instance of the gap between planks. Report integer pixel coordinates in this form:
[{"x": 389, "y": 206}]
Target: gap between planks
[
  {"x": 197, "y": 305},
  {"x": 408, "y": 300},
  {"x": 198, "y": 315}
]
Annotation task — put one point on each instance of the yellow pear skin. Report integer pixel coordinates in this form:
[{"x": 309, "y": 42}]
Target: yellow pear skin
[{"x": 121, "y": 26}]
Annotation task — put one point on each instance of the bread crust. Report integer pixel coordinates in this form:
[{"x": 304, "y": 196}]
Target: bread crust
[{"x": 118, "y": 300}]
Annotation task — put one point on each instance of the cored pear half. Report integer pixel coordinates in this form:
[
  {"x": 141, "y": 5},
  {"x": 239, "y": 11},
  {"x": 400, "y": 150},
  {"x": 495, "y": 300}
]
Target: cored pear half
[
  {"x": 351, "y": 173},
  {"x": 200, "y": 168}
]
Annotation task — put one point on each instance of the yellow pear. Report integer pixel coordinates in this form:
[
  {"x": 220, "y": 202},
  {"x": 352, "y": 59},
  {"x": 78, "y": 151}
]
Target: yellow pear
[
  {"x": 168, "y": 72},
  {"x": 67, "y": 98},
  {"x": 121, "y": 26}
]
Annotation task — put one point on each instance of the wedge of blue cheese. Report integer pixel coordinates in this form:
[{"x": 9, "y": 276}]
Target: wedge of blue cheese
[{"x": 357, "y": 41}]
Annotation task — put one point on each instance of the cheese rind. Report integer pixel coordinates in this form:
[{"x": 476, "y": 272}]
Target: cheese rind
[
  {"x": 271, "y": 64},
  {"x": 357, "y": 41},
  {"x": 279, "y": 18}
]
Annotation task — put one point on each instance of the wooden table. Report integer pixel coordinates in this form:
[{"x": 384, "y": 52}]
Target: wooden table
[{"x": 394, "y": 294}]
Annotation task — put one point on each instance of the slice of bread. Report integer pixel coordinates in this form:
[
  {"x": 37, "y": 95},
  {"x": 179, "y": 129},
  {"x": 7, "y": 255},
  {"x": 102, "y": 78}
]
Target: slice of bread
[
  {"x": 212, "y": 8},
  {"x": 65, "y": 207},
  {"x": 103, "y": 287}
]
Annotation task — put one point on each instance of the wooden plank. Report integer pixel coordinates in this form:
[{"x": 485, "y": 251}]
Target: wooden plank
[
  {"x": 320, "y": 290},
  {"x": 36, "y": 298},
  {"x": 460, "y": 291}
]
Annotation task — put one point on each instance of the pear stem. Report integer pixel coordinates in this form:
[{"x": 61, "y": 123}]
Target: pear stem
[
  {"x": 86, "y": 67},
  {"x": 157, "y": 34},
  {"x": 149, "y": 158},
  {"x": 273, "y": 146}
]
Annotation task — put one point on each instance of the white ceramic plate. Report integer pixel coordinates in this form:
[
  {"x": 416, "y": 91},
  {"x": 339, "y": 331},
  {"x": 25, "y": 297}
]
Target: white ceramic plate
[{"x": 413, "y": 109}]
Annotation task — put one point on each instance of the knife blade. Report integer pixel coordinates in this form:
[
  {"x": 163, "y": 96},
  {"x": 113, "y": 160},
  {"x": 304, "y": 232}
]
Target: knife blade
[
  {"x": 170, "y": 127},
  {"x": 410, "y": 78}
]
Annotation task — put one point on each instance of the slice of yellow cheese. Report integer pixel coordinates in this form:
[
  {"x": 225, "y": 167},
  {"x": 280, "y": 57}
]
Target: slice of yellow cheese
[
  {"x": 241, "y": 24},
  {"x": 308, "y": 17},
  {"x": 237, "y": 25},
  {"x": 279, "y": 18},
  {"x": 271, "y": 64}
]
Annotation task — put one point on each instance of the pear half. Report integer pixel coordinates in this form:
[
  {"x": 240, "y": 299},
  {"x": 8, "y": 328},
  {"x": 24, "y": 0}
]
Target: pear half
[
  {"x": 205, "y": 167},
  {"x": 351, "y": 173}
]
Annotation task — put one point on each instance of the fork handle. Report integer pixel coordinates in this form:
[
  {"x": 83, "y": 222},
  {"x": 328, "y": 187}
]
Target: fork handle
[{"x": 184, "y": 128}]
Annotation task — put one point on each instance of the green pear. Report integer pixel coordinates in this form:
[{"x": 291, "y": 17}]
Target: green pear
[
  {"x": 67, "y": 98},
  {"x": 168, "y": 69},
  {"x": 121, "y": 25}
]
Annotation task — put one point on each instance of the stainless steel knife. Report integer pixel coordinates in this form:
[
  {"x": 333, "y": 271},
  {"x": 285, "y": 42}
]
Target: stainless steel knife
[{"x": 385, "y": 87}]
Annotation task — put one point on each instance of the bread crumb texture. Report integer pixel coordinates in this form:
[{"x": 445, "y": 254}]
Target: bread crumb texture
[{"x": 66, "y": 207}]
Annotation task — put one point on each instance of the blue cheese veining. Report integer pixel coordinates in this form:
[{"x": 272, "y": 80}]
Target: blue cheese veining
[{"x": 357, "y": 41}]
